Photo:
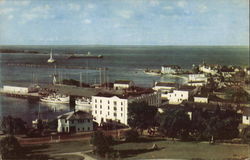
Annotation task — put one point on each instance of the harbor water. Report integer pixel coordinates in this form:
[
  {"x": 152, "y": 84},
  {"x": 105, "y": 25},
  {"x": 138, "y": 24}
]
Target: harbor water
[{"x": 120, "y": 62}]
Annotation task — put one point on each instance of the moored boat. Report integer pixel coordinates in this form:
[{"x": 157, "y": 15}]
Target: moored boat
[{"x": 56, "y": 99}]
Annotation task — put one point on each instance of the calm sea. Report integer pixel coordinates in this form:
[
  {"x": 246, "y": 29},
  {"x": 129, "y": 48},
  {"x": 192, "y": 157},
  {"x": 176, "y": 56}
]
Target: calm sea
[{"x": 123, "y": 63}]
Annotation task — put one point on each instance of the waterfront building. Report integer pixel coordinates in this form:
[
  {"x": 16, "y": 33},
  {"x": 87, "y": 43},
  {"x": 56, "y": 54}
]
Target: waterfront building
[
  {"x": 20, "y": 89},
  {"x": 164, "y": 88},
  {"x": 75, "y": 121},
  {"x": 170, "y": 69},
  {"x": 123, "y": 84},
  {"x": 209, "y": 69},
  {"x": 197, "y": 79},
  {"x": 181, "y": 94},
  {"x": 114, "y": 107}
]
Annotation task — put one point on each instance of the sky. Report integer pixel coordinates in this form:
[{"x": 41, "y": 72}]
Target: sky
[{"x": 124, "y": 22}]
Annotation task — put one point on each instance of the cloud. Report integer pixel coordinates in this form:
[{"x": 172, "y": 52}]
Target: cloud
[
  {"x": 5, "y": 11},
  {"x": 74, "y": 7},
  {"x": 168, "y": 8},
  {"x": 91, "y": 6},
  {"x": 125, "y": 14},
  {"x": 40, "y": 12},
  {"x": 181, "y": 4},
  {"x": 87, "y": 21},
  {"x": 202, "y": 8},
  {"x": 10, "y": 17},
  {"x": 154, "y": 2},
  {"x": 21, "y": 3}
]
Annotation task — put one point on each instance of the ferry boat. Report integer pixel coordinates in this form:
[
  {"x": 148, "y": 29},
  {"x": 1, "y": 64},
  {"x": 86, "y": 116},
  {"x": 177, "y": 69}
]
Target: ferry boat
[
  {"x": 83, "y": 104},
  {"x": 51, "y": 60},
  {"x": 56, "y": 99},
  {"x": 88, "y": 55}
]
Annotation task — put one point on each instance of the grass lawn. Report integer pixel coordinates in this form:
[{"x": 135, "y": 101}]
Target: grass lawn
[
  {"x": 53, "y": 149},
  {"x": 181, "y": 150}
]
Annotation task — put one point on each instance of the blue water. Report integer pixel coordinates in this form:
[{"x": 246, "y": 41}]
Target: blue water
[{"x": 123, "y": 62}]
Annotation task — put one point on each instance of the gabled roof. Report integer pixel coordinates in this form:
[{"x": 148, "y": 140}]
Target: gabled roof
[
  {"x": 123, "y": 82},
  {"x": 75, "y": 115}
]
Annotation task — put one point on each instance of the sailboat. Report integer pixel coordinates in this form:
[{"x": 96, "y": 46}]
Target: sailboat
[{"x": 51, "y": 60}]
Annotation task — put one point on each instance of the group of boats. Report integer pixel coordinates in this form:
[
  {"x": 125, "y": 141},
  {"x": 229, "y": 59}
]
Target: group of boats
[
  {"x": 64, "y": 99},
  {"x": 88, "y": 55}
]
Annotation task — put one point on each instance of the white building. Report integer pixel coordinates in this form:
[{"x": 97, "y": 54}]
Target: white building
[
  {"x": 246, "y": 116},
  {"x": 78, "y": 121},
  {"x": 209, "y": 69},
  {"x": 170, "y": 69},
  {"x": 123, "y": 84},
  {"x": 180, "y": 95},
  {"x": 115, "y": 107},
  {"x": 15, "y": 89},
  {"x": 200, "y": 99},
  {"x": 164, "y": 88}
]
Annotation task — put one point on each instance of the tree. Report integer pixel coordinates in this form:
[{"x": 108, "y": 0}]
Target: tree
[
  {"x": 10, "y": 148},
  {"x": 141, "y": 115},
  {"x": 12, "y": 125},
  {"x": 131, "y": 135},
  {"x": 101, "y": 143},
  {"x": 175, "y": 124}
]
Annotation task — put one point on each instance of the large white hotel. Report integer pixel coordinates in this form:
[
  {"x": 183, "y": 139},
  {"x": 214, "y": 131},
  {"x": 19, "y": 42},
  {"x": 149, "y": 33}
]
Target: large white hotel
[{"x": 107, "y": 106}]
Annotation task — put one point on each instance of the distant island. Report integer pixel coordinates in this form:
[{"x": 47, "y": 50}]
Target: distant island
[{"x": 16, "y": 51}]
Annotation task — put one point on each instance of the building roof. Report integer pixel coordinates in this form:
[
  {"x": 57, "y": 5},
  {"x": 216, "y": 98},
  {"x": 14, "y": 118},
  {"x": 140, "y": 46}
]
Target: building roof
[
  {"x": 75, "y": 115},
  {"x": 123, "y": 82},
  {"x": 166, "y": 84},
  {"x": 246, "y": 111},
  {"x": 197, "y": 81},
  {"x": 172, "y": 66},
  {"x": 186, "y": 88}
]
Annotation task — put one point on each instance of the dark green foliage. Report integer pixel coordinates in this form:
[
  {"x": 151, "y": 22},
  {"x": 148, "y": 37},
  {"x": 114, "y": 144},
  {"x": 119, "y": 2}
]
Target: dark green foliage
[
  {"x": 10, "y": 148},
  {"x": 141, "y": 115},
  {"x": 176, "y": 124},
  {"x": 12, "y": 125},
  {"x": 101, "y": 143},
  {"x": 131, "y": 135}
]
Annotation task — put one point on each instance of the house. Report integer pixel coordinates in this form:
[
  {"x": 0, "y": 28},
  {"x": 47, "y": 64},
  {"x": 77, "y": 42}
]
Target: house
[
  {"x": 181, "y": 94},
  {"x": 75, "y": 121},
  {"x": 246, "y": 116},
  {"x": 209, "y": 69},
  {"x": 170, "y": 69},
  {"x": 197, "y": 79},
  {"x": 106, "y": 106},
  {"x": 123, "y": 84},
  {"x": 201, "y": 98},
  {"x": 164, "y": 88}
]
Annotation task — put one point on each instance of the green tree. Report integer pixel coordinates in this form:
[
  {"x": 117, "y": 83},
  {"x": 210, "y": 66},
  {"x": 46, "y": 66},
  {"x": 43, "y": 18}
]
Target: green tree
[
  {"x": 10, "y": 148},
  {"x": 141, "y": 115},
  {"x": 12, "y": 125},
  {"x": 131, "y": 135},
  {"x": 101, "y": 143},
  {"x": 176, "y": 124}
]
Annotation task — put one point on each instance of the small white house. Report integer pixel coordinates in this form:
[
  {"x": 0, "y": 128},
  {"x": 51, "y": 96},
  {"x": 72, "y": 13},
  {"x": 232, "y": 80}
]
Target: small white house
[
  {"x": 72, "y": 122},
  {"x": 197, "y": 79},
  {"x": 200, "y": 99},
  {"x": 177, "y": 96},
  {"x": 170, "y": 69},
  {"x": 164, "y": 88},
  {"x": 123, "y": 84},
  {"x": 246, "y": 116},
  {"x": 208, "y": 69}
]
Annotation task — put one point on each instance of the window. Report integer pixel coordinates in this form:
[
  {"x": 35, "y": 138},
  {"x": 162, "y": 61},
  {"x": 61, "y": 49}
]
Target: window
[
  {"x": 115, "y": 103},
  {"x": 100, "y": 101},
  {"x": 89, "y": 120},
  {"x": 121, "y": 109},
  {"x": 100, "y": 106},
  {"x": 88, "y": 128},
  {"x": 100, "y": 112},
  {"x": 95, "y": 106},
  {"x": 78, "y": 129},
  {"x": 108, "y": 107},
  {"x": 121, "y": 114},
  {"x": 115, "y": 108},
  {"x": 95, "y": 112},
  {"x": 108, "y": 102},
  {"x": 108, "y": 113},
  {"x": 95, "y": 101},
  {"x": 181, "y": 95},
  {"x": 115, "y": 114},
  {"x": 247, "y": 117},
  {"x": 72, "y": 121},
  {"x": 121, "y": 103},
  {"x": 65, "y": 120},
  {"x": 83, "y": 129}
]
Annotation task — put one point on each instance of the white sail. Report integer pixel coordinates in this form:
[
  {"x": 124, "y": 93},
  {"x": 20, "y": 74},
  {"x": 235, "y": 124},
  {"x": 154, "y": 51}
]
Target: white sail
[{"x": 51, "y": 60}]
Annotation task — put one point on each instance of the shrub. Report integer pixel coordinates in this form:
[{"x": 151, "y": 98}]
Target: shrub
[{"x": 131, "y": 135}]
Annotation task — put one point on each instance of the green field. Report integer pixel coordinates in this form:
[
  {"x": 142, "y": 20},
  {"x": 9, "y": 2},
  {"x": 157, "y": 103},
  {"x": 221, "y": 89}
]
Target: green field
[{"x": 142, "y": 150}]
